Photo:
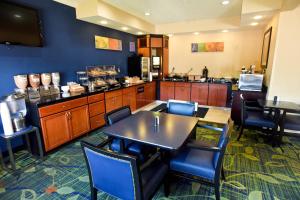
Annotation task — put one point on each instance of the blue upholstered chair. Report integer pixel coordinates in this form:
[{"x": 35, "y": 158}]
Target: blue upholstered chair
[
  {"x": 203, "y": 164},
  {"x": 130, "y": 147},
  {"x": 182, "y": 107},
  {"x": 256, "y": 120},
  {"x": 120, "y": 175}
]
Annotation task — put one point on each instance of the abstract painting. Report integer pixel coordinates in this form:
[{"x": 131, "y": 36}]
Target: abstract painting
[
  {"x": 208, "y": 47},
  {"x": 108, "y": 43}
]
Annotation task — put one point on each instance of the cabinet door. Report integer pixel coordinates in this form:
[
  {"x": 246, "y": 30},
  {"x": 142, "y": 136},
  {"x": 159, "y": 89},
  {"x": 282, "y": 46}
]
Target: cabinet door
[
  {"x": 222, "y": 95},
  {"x": 183, "y": 91},
  {"x": 129, "y": 99},
  {"x": 113, "y": 103},
  {"x": 97, "y": 121},
  {"x": 79, "y": 121},
  {"x": 167, "y": 91},
  {"x": 217, "y": 95},
  {"x": 55, "y": 129},
  {"x": 199, "y": 93}
]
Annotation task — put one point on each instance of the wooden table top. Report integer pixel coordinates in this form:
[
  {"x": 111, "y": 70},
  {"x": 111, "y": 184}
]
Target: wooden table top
[{"x": 217, "y": 115}]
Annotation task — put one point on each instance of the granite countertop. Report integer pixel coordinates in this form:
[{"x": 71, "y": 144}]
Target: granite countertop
[{"x": 57, "y": 98}]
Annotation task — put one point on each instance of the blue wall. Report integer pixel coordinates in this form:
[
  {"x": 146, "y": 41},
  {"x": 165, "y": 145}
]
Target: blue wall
[{"x": 68, "y": 47}]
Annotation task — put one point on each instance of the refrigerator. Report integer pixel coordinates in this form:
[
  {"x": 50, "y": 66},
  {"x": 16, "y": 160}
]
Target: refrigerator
[{"x": 139, "y": 66}]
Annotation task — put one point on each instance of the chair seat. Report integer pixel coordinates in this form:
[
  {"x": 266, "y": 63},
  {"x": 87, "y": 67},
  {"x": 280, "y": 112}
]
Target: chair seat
[
  {"x": 194, "y": 162},
  {"x": 152, "y": 176},
  {"x": 259, "y": 120},
  {"x": 292, "y": 122},
  {"x": 202, "y": 143}
]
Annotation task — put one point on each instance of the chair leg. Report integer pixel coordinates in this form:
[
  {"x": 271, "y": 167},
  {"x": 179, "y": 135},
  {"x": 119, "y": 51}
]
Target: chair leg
[
  {"x": 167, "y": 185},
  {"x": 217, "y": 191},
  {"x": 223, "y": 174},
  {"x": 241, "y": 132},
  {"x": 93, "y": 194}
]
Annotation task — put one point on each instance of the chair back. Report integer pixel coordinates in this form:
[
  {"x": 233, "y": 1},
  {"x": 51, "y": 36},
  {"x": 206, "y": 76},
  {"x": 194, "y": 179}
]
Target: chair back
[
  {"x": 117, "y": 115},
  {"x": 243, "y": 109},
  {"x": 182, "y": 107},
  {"x": 222, "y": 144},
  {"x": 115, "y": 174}
]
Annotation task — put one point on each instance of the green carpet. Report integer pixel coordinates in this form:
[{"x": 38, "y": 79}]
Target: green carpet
[{"x": 254, "y": 170}]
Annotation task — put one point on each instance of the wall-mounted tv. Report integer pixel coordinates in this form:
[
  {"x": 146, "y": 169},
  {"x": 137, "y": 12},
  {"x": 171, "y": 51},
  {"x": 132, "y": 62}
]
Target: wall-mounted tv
[{"x": 19, "y": 25}]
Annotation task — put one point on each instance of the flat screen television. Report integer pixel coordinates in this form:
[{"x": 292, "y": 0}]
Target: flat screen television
[{"x": 19, "y": 25}]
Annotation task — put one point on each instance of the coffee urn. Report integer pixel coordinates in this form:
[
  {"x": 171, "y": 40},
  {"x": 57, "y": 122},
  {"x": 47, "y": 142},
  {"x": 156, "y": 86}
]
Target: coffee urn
[{"x": 17, "y": 107}]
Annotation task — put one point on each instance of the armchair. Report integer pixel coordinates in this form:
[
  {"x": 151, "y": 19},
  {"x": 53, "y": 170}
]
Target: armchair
[
  {"x": 120, "y": 175},
  {"x": 182, "y": 107},
  {"x": 202, "y": 164},
  {"x": 255, "y": 119}
]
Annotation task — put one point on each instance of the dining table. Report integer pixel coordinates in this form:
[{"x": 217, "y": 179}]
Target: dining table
[
  {"x": 170, "y": 134},
  {"x": 280, "y": 108}
]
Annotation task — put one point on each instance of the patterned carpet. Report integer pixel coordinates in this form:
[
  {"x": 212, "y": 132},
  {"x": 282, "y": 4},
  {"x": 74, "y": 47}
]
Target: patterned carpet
[{"x": 254, "y": 170}]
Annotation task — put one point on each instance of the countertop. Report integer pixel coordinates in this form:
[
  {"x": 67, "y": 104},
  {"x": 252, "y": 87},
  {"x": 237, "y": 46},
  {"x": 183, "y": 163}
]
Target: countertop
[{"x": 57, "y": 98}]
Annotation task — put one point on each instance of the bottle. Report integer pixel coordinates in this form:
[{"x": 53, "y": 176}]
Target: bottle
[
  {"x": 6, "y": 119},
  {"x": 205, "y": 72}
]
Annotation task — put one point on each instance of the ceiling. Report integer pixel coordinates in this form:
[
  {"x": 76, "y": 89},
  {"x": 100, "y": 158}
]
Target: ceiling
[
  {"x": 178, "y": 16},
  {"x": 170, "y": 11}
]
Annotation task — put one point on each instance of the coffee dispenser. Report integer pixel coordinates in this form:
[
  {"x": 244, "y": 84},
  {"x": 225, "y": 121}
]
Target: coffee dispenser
[{"x": 17, "y": 107}]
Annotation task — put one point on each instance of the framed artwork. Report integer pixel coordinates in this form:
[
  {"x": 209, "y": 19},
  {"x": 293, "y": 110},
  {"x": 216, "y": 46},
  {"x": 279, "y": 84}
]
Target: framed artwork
[
  {"x": 108, "y": 43},
  {"x": 131, "y": 46},
  {"x": 208, "y": 47},
  {"x": 266, "y": 48}
]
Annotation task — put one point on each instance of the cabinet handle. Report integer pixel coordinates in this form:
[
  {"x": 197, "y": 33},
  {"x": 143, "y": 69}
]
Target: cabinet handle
[{"x": 70, "y": 115}]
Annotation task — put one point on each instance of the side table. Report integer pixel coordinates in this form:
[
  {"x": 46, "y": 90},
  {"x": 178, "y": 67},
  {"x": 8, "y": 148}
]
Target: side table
[{"x": 25, "y": 132}]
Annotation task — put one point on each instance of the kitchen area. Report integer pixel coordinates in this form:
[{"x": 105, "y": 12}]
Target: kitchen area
[{"x": 66, "y": 112}]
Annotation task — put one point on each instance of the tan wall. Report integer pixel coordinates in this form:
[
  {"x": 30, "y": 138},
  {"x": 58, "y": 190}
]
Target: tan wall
[
  {"x": 285, "y": 77},
  {"x": 241, "y": 48}
]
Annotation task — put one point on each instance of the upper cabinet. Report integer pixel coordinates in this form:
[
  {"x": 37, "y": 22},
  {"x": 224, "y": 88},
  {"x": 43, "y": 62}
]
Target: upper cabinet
[{"x": 155, "y": 46}]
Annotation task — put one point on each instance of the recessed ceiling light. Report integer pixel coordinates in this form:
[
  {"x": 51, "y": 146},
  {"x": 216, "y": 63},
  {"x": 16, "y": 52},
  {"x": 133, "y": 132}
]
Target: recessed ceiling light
[
  {"x": 254, "y": 24},
  {"x": 103, "y": 22},
  {"x": 140, "y": 33},
  {"x": 196, "y": 33},
  {"x": 225, "y": 2},
  {"x": 225, "y": 31},
  {"x": 124, "y": 28},
  {"x": 257, "y": 17},
  {"x": 170, "y": 35},
  {"x": 147, "y": 13},
  {"x": 17, "y": 16}
]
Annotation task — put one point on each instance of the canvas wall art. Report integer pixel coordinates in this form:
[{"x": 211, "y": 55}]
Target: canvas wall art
[
  {"x": 208, "y": 47},
  {"x": 108, "y": 43}
]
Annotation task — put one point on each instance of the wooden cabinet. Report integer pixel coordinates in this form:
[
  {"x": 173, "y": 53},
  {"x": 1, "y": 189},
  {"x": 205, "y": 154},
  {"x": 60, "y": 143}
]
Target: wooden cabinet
[
  {"x": 167, "y": 90},
  {"x": 59, "y": 107},
  {"x": 61, "y": 127},
  {"x": 129, "y": 97},
  {"x": 55, "y": 129},
  {"x": 217, "y": 95},
  {"x": 156, "y": 42},
  {"x": 96, "y": 110},
  {"x": 113, "y": 100},
  {"x": 183, "y": 91},
  {"x": 145, "y": 94},
  {"x": 199, "y": 93},
  {"x": 150, "y": 92},
  {"x": 79, "y": 121}
]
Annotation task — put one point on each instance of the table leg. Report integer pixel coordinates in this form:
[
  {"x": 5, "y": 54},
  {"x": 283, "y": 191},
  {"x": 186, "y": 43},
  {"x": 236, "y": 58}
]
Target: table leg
[
  {"x": 11, "y": 155},
  {"x": 28, "y": 143},
  {"x": 122, "y": 146},
  {"x": 38, "y": 136},
  {"x": 1, "y": 159}
]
